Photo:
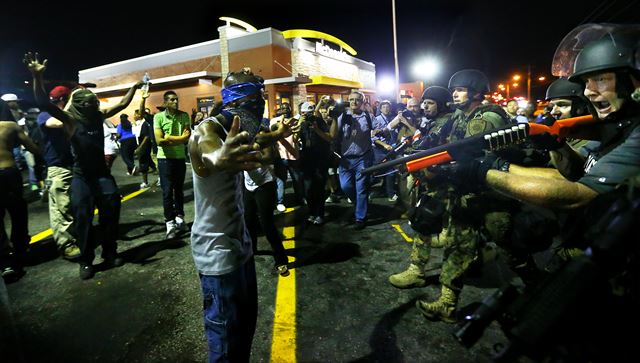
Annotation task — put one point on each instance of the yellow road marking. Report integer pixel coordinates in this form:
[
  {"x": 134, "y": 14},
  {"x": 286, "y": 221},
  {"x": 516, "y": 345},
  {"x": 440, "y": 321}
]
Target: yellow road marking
[
  {"x": 404, "y": 235},
  {"x": 48, "y": 232},
  {"x": 283, "y": 342}
]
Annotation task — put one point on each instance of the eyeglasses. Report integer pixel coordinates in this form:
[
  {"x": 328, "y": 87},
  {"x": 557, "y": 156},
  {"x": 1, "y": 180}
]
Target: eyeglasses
[{"x": 358, "y": 100}]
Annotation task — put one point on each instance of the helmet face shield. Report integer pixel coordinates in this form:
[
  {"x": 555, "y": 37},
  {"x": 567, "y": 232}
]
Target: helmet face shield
[{"x": 567, "y": 51}]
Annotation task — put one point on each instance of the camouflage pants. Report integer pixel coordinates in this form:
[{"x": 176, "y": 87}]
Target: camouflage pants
[
  {"x": 427, "y": 252},
  {"x": 459, "y": 254},
  {"x": 464, "y": 235}
]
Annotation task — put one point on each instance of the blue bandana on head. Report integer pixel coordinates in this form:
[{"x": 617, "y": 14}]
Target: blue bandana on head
[{"x": 240, "y": 90}]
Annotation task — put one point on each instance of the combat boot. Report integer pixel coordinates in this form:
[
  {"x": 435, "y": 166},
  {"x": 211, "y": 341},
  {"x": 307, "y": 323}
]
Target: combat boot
[
  {"x": 442, "y": 309},
  {"x": 412, "y": 277}
]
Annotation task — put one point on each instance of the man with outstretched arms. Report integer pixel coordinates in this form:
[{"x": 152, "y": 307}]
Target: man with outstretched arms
[
  {"x": 221, "y": 147},
  {"x": 92, "y": 185}
]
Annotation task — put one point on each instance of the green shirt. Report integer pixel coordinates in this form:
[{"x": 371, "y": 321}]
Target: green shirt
[{"x": 171, "y": 125}]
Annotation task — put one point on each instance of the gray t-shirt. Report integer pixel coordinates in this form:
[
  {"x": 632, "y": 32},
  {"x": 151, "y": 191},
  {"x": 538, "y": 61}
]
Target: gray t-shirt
[
  {"x": 604, "y": 172},
  {"x": 220, "y": 241}
]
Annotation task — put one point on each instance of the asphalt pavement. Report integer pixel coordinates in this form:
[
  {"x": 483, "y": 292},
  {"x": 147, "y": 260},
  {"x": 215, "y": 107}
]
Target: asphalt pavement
[{"x": 336, "y": 306}]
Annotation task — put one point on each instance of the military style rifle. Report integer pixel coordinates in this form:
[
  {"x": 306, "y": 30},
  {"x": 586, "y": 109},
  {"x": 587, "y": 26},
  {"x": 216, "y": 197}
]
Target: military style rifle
[{"x": 492, "y": 140}]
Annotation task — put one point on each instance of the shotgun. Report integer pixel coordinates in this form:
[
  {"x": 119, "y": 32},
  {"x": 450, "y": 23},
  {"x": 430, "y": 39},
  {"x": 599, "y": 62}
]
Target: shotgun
[{"x": 492, "y": 140}]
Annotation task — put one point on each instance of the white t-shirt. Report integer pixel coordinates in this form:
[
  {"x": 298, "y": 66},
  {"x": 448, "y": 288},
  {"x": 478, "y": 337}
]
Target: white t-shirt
[
  {"x": 257, "y": 177},
  {"x": 110, "y": 144},
  {"x": 136, "y": 127}
]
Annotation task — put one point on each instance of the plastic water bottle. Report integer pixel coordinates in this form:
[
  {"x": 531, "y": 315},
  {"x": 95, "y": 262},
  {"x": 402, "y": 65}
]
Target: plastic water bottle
[{"x": 145, "y": 79}]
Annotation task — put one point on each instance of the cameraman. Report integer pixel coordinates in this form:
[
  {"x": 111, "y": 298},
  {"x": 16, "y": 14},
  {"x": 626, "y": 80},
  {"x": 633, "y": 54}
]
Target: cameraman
[
  {"x": 352, "y": 131},
  {"x": 287, "y": 163},
  {"x": 407, "y": 122},
  {"x": 315, "y": 153},
  {"x": 383, "y": 139}
]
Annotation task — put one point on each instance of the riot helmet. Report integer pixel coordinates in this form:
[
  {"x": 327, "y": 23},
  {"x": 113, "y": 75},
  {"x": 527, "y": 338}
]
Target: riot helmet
[
  {"x": 472, "y": 79},
  {"x": 440, "y": 95},
  {"x": 563, "y": 88},
  {"x": 612, "y": 52},
  {"x": 573, "y": 91}
]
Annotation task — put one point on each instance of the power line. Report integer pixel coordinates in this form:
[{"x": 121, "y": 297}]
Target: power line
[
  {"x": 623, "y": 9},
  {"x": 593, "y": 12}
]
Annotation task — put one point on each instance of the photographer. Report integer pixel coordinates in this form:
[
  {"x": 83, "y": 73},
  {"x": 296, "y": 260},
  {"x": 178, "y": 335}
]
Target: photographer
[
  {"x": 315, "y": 153},
  {"x": 329, "y": 111},
  {"x": 352, "y": 131},
  {"x": 407, "y": 122},
  {"x": 383, "y": 140},
  {"x": 288, "y": 162}
]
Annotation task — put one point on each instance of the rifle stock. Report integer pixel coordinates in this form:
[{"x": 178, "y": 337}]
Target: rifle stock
[{"x": 492, "y": 140}]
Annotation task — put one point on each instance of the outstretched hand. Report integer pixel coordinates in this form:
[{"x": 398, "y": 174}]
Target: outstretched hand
[
  {"x": 236, "y": 153},
  {"x": 32, "y": 62},
  {"x": 278, "y": 131}
]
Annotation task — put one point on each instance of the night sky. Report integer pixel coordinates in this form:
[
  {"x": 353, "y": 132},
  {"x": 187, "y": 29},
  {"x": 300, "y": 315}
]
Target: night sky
[{"x": 499, "y": 38}]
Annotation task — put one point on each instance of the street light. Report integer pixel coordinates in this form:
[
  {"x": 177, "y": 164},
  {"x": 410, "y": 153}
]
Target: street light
[
  {"x": 425, "y": 69},
  {"x": 516, "y": 77},
  {"x": 386, "y": 86}
]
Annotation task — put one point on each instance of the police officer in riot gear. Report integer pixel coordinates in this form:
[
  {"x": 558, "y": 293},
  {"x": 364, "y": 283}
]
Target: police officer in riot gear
[
  {"x": 467, "y": 213},
  {"x": 609, "y": 70},
  {"x": 436, "y": 102}
]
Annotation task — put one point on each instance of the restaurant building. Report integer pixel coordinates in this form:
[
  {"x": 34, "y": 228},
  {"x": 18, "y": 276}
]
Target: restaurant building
[{"x": 295, "y": 69}]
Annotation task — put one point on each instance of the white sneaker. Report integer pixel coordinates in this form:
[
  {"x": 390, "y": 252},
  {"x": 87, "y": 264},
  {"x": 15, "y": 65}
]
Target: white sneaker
[
  {"x": 349, "y": 200},
  {"x": 180, "y": 225},
  {"x": 394, "y": 198},
  {"x": 281, "y": 208},
  {"x": 311, "y": 219},
  {"x": 144, "y": 185},
  {"x": 158, "y": 182},
  {"x": 172, "y": 230},
  {"x": 318, "y": 221}
]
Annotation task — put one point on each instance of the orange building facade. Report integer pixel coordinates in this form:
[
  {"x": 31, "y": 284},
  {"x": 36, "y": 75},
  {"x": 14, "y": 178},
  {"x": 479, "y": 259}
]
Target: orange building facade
[{"x": 295, "y": 70}]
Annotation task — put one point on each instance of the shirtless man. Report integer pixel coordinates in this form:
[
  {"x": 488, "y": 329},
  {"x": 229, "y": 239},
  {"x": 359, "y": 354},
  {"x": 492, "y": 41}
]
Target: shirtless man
[{"x": 11, "y": 199}]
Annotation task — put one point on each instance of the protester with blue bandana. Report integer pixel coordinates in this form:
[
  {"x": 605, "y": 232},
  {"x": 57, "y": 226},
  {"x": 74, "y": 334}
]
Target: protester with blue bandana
[{"x": 221, "y": 148}]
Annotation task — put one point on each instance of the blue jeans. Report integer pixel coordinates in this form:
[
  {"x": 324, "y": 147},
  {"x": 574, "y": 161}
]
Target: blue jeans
[
  {"x": 230, "y": 313},
  {"x": 293, "y": 170},
  {"x": 354, "y": 184},
  {"x": 390, "y": 177}
]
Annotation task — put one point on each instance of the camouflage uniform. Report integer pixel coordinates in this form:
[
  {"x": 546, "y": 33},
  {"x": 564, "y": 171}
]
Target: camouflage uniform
[
  {"x": 467, "y": 216},
  {"x": 468, "y": 213}
]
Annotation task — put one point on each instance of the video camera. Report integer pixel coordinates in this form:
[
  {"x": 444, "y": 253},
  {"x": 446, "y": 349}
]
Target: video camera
[
  {"x": 572, "y": 314},
  {"x": 338, "y": 109},
  {"x": 407, "y": 114}
]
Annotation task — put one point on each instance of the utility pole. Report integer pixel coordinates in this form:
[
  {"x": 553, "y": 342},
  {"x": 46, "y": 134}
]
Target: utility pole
[
  {"x": 395, "y": 50},
  {"x": 528, "y": 82}
]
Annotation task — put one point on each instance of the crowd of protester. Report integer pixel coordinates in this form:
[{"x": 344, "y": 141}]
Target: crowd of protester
[{"x": 242, "y": 162}]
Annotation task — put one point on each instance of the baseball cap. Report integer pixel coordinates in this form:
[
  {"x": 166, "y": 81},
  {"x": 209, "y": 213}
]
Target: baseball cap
[
  {"x": 8, "y": 97},
  {"x": 307, "y": 107},
  {"x": 59, "y": 92}
]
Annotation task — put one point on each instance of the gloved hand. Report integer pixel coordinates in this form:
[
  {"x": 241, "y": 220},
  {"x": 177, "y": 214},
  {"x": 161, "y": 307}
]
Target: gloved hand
[
  {"x": 546, "y": 141},
  {"x": 548, "y": 121},
  {"x": 472, "y": 174}
]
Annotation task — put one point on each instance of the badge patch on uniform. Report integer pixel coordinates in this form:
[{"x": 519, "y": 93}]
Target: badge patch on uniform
[{"x": 477, "y": 126}]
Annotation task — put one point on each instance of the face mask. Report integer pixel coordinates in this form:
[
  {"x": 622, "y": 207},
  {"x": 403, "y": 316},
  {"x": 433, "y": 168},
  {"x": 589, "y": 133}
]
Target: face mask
[
  {"x": 249, "y": 122},
  {"x": 255, "y": 106}
]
